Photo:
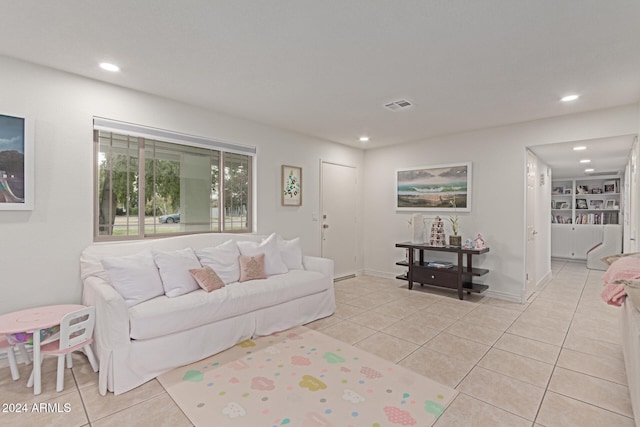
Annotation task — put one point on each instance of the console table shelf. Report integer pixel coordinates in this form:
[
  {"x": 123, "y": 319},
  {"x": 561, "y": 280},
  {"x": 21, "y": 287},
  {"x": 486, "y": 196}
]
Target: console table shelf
[{"x": 459, "y": 276}]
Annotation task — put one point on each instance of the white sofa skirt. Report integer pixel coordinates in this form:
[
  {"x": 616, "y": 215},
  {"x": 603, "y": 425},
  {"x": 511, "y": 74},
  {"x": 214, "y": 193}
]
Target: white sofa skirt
[{"x": 630, "y": 326}]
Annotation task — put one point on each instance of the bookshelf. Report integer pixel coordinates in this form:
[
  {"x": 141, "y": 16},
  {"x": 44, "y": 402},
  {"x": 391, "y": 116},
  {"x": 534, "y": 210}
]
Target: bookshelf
[{"x": 579, "y": 209}]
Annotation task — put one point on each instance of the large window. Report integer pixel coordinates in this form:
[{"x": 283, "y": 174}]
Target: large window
[{"x": 147, "y": 184}]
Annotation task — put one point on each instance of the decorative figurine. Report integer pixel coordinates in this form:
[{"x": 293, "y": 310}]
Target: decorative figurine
[
  {"x": 479, "y": 242},
  {"x": 468, "y": 244}
]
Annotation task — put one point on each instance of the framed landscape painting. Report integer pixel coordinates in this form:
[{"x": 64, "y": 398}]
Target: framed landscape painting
[
  {"x": 16, "y": 163},
  {"x": 445, "y": 188}
]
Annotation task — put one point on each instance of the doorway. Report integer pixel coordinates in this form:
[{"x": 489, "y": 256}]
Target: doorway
[
  {"x": 531, "y": 219},
  {"x": 339, "y": 217}
]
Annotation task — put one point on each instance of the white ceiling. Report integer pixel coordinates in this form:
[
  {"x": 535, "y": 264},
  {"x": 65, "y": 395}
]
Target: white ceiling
[
  {"x": 607, "y": 155},
  {"x": 325, "y": 68}
]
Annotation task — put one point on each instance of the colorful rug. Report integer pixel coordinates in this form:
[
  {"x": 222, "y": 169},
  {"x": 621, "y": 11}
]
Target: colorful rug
[{"x": 301, "y": 377}]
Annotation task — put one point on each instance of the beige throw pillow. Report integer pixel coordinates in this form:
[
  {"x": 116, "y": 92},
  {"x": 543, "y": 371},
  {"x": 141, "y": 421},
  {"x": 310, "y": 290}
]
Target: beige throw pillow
[
  {"x": 207, "y": 278},
  {"x": 252, "y": 267}
]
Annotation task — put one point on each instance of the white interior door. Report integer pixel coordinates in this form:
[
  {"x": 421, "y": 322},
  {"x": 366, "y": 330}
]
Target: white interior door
[
  {"x": 339, "y": 216},
  {"x": 530, "y": 261}
]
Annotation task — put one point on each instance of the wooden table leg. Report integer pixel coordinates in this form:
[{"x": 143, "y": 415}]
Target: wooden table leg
[
  {"x": 410, "y": 272},
  {"x": 460, "y": 289}
]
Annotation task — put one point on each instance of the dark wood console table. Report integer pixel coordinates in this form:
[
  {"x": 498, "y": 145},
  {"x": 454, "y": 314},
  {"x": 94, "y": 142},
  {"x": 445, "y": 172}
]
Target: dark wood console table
[{"x": 458, "y": 277}]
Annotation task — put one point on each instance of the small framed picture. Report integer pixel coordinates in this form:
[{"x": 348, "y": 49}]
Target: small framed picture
[
  {"x": 581, "y": 204},
  {"x": 610, "y": 204},
  {"x": 567, "y": 191},
  {"x": 596, "y": 204},
  {"x": 610, "y": 186},
  {"x": 582, "y": 189},
  {"x": 557, "y": 190},
  {"x": 291, "y": 191},
  {"x": 563, "y": 205},
  {"x": 596, "y": 190}
]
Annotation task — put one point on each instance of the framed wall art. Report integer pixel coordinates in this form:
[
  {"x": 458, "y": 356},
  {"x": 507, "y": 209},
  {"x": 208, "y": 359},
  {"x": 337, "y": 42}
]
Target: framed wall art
[
  {"x": 434, "y": 188},
  {"x": 16, "y": 163},
  {"x": 291, "y": 191}
]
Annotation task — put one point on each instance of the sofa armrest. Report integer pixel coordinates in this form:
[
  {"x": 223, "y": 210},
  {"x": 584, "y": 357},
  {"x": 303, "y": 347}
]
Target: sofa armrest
[
  {"x": 321, "y": 265},
  {"x": 112, "y": 313}
]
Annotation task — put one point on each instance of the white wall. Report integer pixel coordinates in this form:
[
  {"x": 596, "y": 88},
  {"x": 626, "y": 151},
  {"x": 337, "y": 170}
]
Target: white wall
[
  {"x": 39, "y": 250},
  {"x": 543, "y": 223},
  {"x": 498, "y": 189}
]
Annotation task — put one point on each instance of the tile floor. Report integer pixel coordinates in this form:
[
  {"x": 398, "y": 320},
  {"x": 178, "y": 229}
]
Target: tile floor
[{"x": 554, "y": 361}]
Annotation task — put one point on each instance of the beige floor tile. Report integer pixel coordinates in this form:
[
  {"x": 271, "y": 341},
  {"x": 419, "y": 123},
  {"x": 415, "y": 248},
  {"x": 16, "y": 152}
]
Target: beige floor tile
[
  {"x": 395, "y": 309},
  {"x": 509, "y": 305},
  {"x": 365, "y": 302},
  {"x": 160, "y": 410},
  {"x": 605, "y": 368},
  {"x": 411, "y": 331},
  {"x": 437, "y": 366},
  {"x": 323, "y": 323},
  {"x": 347, "y": 331},
  {"x": 60, "y": 411},
  {"x": 604, "y": 394},
  {"x": 544, "y": 320},
  {"x": 551, "y": 312},
  {"x": 433, "y": 321},
  {"x": 387, "y": 347},
  {"x": 346, "y": 311},
  {"x": 466, "y": 411},
  {"x": 507, "y": 393},
  {"x": 485, "y": 317},
  {"x": 548, "y": 335},
  {"x": 594, "y": 328},
  {"x": 533, "y": 349},
  {"x": 519, "y": 367},
  {"x": 458, "y": 348},
  {"x": 17, "y": 391},
  {"x": 562, "y": 411},
  {"x": 83, "y": 372},
  {"x": 374, "y": 320},
  {"x": 473, "y": 332},
  {"x": 593, "y": 346},
  {"x": 99, "y": 406},
  {"x": 452, "y": 309},
  {"x": 344, "y": 296}
]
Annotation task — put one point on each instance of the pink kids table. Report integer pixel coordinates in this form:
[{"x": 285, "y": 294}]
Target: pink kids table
[{"x": 34, "y": 320}]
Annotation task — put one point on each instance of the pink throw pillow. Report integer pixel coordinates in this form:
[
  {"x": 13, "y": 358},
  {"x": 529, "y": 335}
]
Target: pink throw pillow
[
  {"x": 252, "y": 267},
  {"x": 207, "y": 278}
]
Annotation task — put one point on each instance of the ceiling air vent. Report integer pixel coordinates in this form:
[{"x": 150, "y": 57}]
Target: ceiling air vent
[{"x": 401, "y": 104}]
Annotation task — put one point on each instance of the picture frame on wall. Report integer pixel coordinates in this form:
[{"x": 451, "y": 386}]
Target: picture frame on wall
[
  {"x": 16, "y": 162},
  {"x": 291, "y": 191},
  {"x": 444, "y": 188}
]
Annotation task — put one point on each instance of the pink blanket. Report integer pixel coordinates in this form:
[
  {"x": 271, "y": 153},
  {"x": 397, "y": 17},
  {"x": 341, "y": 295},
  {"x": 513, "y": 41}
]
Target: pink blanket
[{"x": 613, "y": 294}]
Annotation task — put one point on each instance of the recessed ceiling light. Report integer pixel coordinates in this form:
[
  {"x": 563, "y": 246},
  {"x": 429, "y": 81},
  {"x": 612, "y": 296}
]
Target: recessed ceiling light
[
  {"x": 579, "y": 148},
  {"x": 570, "y": 98},
  {"x": 109, "y": 67},
  {"x": 585, "y": 161},
  {"x": 589, "y": 170},
  {"x": 364, "y": 139}
]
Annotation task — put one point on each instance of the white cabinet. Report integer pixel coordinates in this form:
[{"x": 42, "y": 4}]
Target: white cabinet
[{"x": 574, "y": 240}]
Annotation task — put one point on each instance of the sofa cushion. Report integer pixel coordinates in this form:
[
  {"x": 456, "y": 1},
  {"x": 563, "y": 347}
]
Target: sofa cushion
[
  {"x": 269, "y": 247},
  {"x": 174, "y": 269},
  {"x": 135, "y": 277},
  {"x": 252, "y": 267},
  {"x": 223, "y": 259},
  {"x": 291, "y": 253},
  {"x": 207, "y": 278},
  {"x": 162, "y": 316}
]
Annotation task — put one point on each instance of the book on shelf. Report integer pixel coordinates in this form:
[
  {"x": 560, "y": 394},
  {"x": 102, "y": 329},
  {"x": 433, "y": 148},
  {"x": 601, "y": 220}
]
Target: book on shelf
[{"x": 440, "y": 264}]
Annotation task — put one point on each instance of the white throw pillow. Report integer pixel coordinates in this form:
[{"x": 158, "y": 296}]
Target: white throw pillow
[
  {"x": 135, "y": 277},
  {"x": 174, "y": 269},
  {"x": 291, "y": 253},
  {"x": 223, "y": 259},
  {"x": 269, "y": 247}
]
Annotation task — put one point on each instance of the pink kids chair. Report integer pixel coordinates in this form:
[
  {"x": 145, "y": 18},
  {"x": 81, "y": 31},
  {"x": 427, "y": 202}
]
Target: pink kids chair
[{"x": 76, "y": 332}]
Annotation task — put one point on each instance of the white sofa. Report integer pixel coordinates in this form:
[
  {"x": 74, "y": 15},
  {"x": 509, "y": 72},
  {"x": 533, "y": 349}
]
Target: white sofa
[
  {"x": 611, "y": 245},
  {"x": 630, "y": 326},
  {"x": 136, "y": 344}
]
